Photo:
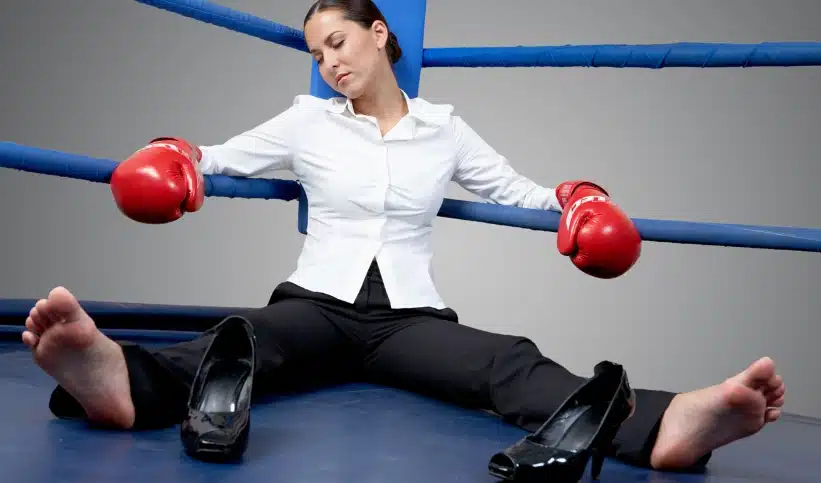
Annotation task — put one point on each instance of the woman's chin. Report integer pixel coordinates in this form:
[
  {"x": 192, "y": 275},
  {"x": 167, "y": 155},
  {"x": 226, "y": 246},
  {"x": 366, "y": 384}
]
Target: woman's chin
[
  {"x": 350, "y": 88},
  {"x": 349, "y": 91}
]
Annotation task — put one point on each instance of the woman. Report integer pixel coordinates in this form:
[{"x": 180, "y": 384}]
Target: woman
[{"x": 361, "y": 303}]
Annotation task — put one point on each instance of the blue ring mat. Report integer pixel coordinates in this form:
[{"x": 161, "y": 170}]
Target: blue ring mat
[{"x": 350, "y": 433}]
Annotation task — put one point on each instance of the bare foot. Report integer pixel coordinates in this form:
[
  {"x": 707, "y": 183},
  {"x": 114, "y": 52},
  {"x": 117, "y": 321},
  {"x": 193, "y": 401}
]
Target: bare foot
[
  {"x": 67, "y": 345},
  {"x": 701, "y": 421}
]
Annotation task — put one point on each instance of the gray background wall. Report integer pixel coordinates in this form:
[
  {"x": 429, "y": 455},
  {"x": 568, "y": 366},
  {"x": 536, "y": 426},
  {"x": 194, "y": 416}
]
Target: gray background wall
[{"x": 101, "y": 78}]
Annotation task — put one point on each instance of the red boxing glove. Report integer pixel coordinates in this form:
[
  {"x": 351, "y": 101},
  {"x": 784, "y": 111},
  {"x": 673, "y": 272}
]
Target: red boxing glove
[
  {"x": 597, "y": 235},
  {"x": 160, "y": 182}
]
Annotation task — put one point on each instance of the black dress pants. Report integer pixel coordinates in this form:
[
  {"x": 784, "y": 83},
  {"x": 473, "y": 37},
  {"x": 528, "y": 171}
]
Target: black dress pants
[{"x": 309, "y": 340}]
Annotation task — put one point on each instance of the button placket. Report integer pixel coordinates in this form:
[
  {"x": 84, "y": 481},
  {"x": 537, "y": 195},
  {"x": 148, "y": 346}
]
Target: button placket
[{"x": 383, "y": 177}]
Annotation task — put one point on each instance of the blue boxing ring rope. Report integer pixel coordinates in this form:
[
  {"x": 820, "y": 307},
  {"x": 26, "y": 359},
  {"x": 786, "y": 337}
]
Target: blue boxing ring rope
[{"x": 57, "y": 163}]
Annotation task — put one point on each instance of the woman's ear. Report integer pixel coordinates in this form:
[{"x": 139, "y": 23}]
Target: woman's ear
[{"x": 380, "y": 33}]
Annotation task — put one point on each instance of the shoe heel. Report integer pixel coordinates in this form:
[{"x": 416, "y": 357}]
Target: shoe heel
[{"x": 597, "y": 463}]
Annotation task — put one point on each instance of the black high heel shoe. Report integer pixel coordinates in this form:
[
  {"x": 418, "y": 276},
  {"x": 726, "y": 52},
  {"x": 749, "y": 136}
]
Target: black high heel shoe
[
  {"x": 584, "y": 426},
  {"x": 219, "y": 405}
]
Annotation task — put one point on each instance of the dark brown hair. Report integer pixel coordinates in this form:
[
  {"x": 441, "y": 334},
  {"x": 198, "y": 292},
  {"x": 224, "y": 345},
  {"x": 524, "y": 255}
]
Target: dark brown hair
[{"x": 363, "y": 12}]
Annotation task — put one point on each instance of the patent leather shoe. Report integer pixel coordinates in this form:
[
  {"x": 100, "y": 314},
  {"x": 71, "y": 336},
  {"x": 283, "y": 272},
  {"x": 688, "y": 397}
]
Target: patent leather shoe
[
  {"x": 219, "y": 405},
  {"x": 583, "y": 427}
]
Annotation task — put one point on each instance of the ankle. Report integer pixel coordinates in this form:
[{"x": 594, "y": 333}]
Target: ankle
[{"x": 660, "y": 454}]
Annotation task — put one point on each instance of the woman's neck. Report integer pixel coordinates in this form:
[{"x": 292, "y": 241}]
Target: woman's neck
[{"x": 385, "y": 102}]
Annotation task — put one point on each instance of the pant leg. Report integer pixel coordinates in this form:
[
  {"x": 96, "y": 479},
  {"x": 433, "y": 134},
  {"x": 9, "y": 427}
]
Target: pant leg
[
  {"x": 503, "y": 373},
  {"x": 300, "y": 344}
]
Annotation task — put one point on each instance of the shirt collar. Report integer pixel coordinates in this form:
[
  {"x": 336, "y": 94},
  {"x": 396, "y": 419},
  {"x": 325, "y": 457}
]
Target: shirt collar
[{"x": 418, "y": 108}]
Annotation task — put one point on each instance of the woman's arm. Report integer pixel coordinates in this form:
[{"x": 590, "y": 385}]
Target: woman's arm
[
  {"x": 165, "y": 179},
  {"x": 488, "y": 174},
  {"x": 594, "y": 232},
  {"x": 262, "y": 149}
]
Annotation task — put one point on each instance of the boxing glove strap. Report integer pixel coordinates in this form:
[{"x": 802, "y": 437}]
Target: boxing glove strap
[{"x": 565, "y": 191}]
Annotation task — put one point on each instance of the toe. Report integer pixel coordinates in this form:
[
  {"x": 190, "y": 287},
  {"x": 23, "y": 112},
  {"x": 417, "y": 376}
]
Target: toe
[
  {"x": 33, "y": 326},
  {"x": 30, "y": 339},
  {"x": 38, "y": 320},
  {"x": 772, "y": 415},
  {"x": 759, "y": 373},
  {"x": 776, "y": 403},
  {"x": 62, "y": 304},
  {"x": 775, "y": 383},
  {"x": 775, "y": 394},
  {"x": 41, "y": 314}
]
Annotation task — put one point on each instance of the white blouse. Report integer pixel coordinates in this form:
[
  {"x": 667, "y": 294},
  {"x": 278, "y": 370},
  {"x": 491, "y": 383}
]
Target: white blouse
[{"x": 373, "y": 197}]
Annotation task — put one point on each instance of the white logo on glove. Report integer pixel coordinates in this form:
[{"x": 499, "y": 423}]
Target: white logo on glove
[{"x": 578, "y": 203}]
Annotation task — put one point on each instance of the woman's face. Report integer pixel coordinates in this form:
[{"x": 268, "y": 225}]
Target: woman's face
[{"x": 348, "y": 56}]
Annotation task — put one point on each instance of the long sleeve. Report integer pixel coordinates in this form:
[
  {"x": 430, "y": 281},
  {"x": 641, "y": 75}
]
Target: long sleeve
[
  {"x": 487, "y": 174},
  {"x": 264, "y": 148}
]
